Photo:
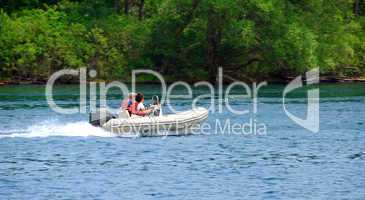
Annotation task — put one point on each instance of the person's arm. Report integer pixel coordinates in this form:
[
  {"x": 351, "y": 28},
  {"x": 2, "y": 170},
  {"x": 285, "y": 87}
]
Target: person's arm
[
  {"x": 143, "y": 109},
  {"x": 146, "y": 111},
  {"x": 124, "y": 104}
]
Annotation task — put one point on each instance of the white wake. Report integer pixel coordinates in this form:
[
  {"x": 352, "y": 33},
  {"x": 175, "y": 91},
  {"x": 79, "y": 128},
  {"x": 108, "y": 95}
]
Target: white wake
[{"x": 54, "y": 128}]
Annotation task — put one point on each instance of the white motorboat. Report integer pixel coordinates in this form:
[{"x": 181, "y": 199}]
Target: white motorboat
[{"x": 182, "y": 123}]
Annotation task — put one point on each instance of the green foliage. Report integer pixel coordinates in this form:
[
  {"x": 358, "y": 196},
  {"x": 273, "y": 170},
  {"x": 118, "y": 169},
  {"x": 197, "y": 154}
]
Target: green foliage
[
  {"x": 183, "y": 39},
  {"x": 37, "y": 42}
]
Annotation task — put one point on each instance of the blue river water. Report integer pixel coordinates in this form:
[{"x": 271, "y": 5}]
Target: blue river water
[{"x": 45, "y": 155}]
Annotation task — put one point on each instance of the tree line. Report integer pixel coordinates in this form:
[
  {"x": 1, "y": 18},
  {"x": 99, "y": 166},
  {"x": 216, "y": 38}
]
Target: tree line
[{"x": 182, "y": 39}]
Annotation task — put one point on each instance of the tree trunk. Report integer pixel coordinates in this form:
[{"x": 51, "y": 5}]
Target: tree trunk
[
  {"x": 212, "y": 37},
  {"x": 357, "y": 7},
  {"x": 141, "y": 10},
  {"x": 117, "y": 6},
  {"x": 126, "y": 7},
  {"x": 188, "y": 17}
]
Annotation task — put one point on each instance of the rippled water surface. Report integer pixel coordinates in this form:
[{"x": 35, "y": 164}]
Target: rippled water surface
[{"x": 45, "y": 155}]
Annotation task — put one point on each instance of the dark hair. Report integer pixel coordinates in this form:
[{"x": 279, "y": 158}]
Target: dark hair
[{"x": 139, "y": 97}]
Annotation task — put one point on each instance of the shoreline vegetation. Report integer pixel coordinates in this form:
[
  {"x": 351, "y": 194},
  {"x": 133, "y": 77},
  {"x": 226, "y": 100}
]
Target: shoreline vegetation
[
  {"x": 252, "y": 40},
  {"x": 323, "y": 79}
]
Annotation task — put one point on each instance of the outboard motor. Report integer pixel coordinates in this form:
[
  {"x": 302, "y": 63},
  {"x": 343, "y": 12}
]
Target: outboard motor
[{"x": 100, "y": 117}]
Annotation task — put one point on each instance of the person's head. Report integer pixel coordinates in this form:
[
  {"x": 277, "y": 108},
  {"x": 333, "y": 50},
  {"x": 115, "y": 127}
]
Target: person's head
[
  {"x": 139, "y": 98},
  {"x": 132, "y": 95}
]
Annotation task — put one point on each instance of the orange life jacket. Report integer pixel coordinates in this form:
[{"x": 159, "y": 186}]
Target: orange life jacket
[{"x": 134, "y": 110}]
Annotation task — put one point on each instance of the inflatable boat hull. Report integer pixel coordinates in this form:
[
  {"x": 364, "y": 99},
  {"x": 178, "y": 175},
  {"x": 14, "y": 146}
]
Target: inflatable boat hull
[{"x": 183, "y": 123}]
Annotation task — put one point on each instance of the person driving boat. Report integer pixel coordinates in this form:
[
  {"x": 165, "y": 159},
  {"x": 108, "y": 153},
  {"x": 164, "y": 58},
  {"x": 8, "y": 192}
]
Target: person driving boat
[{"x": 138, "y": 108}]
